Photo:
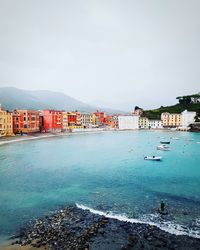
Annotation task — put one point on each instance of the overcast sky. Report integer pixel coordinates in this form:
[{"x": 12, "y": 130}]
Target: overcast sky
[{"x": 117, "y": 53}]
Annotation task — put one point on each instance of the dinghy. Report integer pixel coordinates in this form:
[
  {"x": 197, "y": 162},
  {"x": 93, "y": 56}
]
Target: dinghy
[{"x": 153, "y": 158}]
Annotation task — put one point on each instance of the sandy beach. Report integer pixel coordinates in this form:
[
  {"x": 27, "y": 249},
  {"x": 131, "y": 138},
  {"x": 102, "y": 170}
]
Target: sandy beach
[{"x": 38, "y": 136}]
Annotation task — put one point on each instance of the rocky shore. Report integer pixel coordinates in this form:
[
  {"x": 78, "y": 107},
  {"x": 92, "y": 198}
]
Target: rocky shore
[{"x": 74, "y": 228}]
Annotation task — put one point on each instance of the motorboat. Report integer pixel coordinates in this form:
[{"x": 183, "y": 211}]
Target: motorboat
[
  {"x": 153, "y": 158},
  {"x": 163, "y": 147},
  {"x": 175, "y": 138},
  {"x": 165, "y": 142}
]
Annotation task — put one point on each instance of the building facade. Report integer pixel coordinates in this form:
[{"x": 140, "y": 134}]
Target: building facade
[
  {"x": 25, "y": 121},
  {"x": 188, "y": 118},
  {"x": 65, "y": 125},
  {"x": 86, "y": 120},
  {"x": 98, "y": 118},
  {"x": 171, "y": 120},
  {"x": 143, "y": 123},
  {"x": 52, "y": 120},
  {"x": 109, "y": 121},
  {"x": 6, "y": 123},
  {"x": 128, "y": 122},
  {"x": 155, "y": 124}
]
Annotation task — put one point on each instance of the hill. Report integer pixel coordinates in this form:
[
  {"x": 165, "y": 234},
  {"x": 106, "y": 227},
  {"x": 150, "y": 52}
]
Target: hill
[
  {"x": 177, "y": 108},
  {"x": 13, "y": 98}
]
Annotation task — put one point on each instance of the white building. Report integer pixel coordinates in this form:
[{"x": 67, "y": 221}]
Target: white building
[
  {"x": 155, "y": 124},
  {"x": 188, "y": 117},
  {"x": 86, "y": 120},
  {"x": 128, "y": 121}
]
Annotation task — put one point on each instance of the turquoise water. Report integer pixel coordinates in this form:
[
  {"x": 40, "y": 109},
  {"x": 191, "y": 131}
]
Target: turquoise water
[{"x": 104, "y": 171}]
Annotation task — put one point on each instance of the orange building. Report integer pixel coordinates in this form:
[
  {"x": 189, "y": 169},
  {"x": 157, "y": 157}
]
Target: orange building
[
  {"x": 25, "y": 121},
  {"x": 109, "y": 121}
]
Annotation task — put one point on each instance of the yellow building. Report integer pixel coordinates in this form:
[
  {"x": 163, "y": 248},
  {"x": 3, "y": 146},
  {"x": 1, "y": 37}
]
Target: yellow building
[
  {"x": 143, "y": 122},
  {"x": 171, "y": 120},
  {"x": 6, "y": 123},
  {"x": 65, "y": 125}
]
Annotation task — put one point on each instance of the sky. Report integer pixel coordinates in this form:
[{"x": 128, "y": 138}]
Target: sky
[{"x": 116, "y": 53}]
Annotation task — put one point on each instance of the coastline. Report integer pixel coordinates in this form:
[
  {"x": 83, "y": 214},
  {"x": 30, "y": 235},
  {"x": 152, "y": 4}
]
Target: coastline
[
  {"x": 38, "y": 136},
  {"x": 75, "y": 228}
]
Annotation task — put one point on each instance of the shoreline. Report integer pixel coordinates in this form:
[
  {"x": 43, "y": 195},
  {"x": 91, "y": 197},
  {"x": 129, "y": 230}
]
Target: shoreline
[
  {"x": 76, "y": 228},
  {"x": 38, "y": 136}
]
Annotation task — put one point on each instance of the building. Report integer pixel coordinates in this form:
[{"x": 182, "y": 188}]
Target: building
[
  {"x": 115, "y": 121},
  {"x": 98, "y": 118},
  {"x": 155, "y": 124},
  {"x": 109, "y": 121},
  {"x": 171, "y": 120},
  {"x": 74, "y": 120},
  {"x": 6, "y": 123},
  {"x": 65, "y": 125},
  {"x": 128, "y": 121},
  {"x": 143, "y": 122},
  {"x": 86, "y": 120},
  {"x": 25, "y": 121},
  {"x": 52, "y": 120},
  {"x": 188, "y": 118}
]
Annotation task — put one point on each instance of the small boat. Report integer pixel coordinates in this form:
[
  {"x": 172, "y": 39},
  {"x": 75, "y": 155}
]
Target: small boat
[
  {"x": 165, "y": 142},
  {"x": 175, "y": 138},
  {"x": 163, "y": 147},
  {"x": 153, "y": 158}
]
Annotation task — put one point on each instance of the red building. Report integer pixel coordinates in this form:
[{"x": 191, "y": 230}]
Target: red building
[
  {"x": 25, "y": 121},
  {"x": 72, "y": 118},
  {"x": 101, "y": 116},
  {"x": 52, "y": 120}
]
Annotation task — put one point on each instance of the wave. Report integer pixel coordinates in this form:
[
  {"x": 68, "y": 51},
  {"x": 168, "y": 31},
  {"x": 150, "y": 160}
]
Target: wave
[{"x": 166, "y": 226}]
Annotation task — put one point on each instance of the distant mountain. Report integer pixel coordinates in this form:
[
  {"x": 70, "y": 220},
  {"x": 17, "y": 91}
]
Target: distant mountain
[{"x": 13, "y": 98}]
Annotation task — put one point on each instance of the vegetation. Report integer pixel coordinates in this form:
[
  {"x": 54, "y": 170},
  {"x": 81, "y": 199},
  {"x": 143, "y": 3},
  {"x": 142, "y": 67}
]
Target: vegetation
[{"x": 177, "y": 108}]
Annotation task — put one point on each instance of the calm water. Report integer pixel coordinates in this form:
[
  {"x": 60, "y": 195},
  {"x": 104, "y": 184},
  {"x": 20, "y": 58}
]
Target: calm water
[{"x": 106, "y": 172}]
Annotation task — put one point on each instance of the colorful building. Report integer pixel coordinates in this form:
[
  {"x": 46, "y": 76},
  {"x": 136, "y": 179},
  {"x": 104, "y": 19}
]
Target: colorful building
[
  {"x": 74, "y": 120},
  {"x": 109, "y": 121},
  {"x": 171, "y": 120},
  {"x": 52, "y": 120},
  {"x": 6, "y": 123},
  {"x": 143, "y": 122},
  {"x": 25, "y": 121},
  {"x": 98, "y": 118},
  {"x": 65, "y": 125}
]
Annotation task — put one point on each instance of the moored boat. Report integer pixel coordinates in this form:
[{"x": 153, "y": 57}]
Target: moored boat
[
  {"x": 165, "y": 142},
  {"x": 153, "y": 158},
  {"x": 163, "y": 147}
]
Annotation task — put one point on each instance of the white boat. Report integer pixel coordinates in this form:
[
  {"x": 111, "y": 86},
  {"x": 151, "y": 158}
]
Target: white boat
[
  {"x": 153, "y": 158},
  {"x": 163, "y": 147},
  {"x": 175, "y": 138}
]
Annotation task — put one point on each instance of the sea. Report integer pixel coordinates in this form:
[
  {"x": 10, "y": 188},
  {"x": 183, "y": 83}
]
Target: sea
[{"x": 106, "y": 173}]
